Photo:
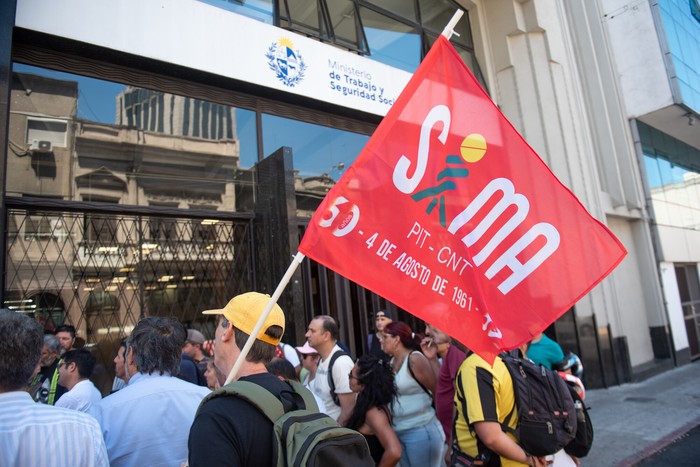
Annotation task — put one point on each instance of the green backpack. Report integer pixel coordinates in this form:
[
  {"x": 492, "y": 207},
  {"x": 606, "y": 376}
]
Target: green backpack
[{"x": 302, "y": 436}]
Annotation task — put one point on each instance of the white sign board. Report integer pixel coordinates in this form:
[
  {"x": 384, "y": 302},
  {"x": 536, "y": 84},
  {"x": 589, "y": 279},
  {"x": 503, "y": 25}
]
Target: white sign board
[{"x": 203, "y": 37}]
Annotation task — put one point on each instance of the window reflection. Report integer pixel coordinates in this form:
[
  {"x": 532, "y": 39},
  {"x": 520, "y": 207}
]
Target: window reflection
[
  {"x": 80, "y": 138},
  {"x": 391, "y": 42},
  {"x": 260, "y": 10},
  {"x": 435, "y": 14},
  {"x": 320, "y": 155},
  {"x": 675, "y": 193},
  {"x": 405, "y": 9},
  {"x": 316, "y": 149}
]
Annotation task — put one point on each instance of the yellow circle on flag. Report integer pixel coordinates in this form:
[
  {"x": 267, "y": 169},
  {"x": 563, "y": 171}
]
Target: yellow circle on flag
[{"x": 473, "y": 147}]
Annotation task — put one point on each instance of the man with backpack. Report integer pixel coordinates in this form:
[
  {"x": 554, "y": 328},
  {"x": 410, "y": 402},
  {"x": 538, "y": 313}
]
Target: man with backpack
[
  {"x": 229, "y": 430},
  {"x": 485, "y": 402},
  {"x": 332, "y": 383},
  {"x": 245, "y": 422}
]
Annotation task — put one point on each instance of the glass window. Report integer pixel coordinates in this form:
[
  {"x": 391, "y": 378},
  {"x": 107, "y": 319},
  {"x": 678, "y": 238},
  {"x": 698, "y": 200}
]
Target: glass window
[
  {"x": 130, "y": 145},
  {"x": 435, "y": 14},
  {"x": 260, "y": 10},
  {"x": 45, "y": 133},
  {"x": 675, "y": 193},
  {"x": 391, "y": 42},
  {"x": 404, "y": 8},
  {"x": 320, "y": 154},
  {"x": 346, "y": 25},
  {"x": 43, "y": 226},
  {"x": 305, "y": 16},
  {"x": 317, "y": 149}
]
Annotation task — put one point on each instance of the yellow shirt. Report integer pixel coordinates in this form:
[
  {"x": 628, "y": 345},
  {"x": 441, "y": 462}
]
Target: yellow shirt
[{"x": 486, "y": 394}]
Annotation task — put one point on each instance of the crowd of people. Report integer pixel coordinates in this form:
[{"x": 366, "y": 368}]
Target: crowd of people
[{"x": 419, "y": 399}]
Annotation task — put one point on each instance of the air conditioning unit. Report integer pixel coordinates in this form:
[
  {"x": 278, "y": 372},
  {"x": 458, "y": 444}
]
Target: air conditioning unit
[{"x": 41, "y": 146}]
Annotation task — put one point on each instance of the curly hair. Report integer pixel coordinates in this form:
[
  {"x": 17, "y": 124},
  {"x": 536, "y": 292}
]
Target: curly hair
[
  {"x": 21, "y": 341},
  {"x": 378, "y": 388},
  {"x": 157, "y": 345}
]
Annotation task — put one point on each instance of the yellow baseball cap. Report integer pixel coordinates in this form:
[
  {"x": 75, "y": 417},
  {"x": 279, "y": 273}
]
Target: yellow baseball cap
[{"x": 244, "y": 310}]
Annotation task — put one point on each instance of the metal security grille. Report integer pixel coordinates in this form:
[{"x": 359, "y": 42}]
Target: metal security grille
[{"x": 103, "y": 271}]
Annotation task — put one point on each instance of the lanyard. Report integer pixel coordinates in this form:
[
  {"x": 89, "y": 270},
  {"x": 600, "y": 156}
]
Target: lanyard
[{"x": 54, "y": 383}]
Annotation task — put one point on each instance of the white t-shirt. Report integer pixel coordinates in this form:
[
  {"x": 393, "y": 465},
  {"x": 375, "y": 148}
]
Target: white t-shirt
[
  {"x": 319, "y": 386},
  {"x": 81, "y": 397}
]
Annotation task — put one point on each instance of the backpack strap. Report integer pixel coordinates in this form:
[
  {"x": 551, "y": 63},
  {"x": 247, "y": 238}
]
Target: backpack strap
[
  {"x": 308, "y": 399},
  {"x": 263, "y": 399},
  {"x": 413, "y": 375},
  {"x": 331, "y": 383},
  {"x": 252, "y": 393},
  {"x": 514, "y": 355}
]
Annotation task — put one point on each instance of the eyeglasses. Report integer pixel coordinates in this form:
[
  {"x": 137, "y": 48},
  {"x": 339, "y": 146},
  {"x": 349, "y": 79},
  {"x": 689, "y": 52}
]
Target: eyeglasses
[
  {"x": 304, "y": 356},
  {"x": 351, "y": 376}
]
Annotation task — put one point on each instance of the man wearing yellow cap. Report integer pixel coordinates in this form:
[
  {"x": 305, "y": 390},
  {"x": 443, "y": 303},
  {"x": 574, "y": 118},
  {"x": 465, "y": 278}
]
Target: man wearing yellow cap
[{"x": 229, "y": 430}]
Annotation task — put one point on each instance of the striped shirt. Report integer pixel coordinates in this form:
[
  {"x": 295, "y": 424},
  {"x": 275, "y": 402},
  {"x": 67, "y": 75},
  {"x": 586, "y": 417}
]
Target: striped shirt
[
  {"x": 37, "y": 434},
  {"x": 483, "y": 393}
]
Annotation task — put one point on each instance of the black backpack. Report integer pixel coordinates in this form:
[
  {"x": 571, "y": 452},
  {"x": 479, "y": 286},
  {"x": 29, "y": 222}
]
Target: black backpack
[
  {"x": 546, "y": 411},
  {"x": 303, "y": 436},
  {"x": 580, "y": 446}
]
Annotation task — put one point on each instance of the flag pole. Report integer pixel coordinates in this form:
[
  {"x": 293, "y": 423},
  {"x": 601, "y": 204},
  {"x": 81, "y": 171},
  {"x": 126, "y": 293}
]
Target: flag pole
[
  {"x": 449, "y": 29},
  {"x": 298, "y": 258}
]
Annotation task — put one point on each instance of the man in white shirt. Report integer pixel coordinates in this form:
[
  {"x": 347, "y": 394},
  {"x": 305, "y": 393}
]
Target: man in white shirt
[
  {"x": 148, "y": 422},
  {"x": 73, "y": 373},
  {"x": 322, "y": 335},
  {"x": 31, "y": 433}
]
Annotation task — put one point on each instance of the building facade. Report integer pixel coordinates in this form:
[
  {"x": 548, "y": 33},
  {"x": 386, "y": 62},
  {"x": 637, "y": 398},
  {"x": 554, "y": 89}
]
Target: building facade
[
  {"x": 663, "y": 110},
  {"x": 163, "y": 157}
]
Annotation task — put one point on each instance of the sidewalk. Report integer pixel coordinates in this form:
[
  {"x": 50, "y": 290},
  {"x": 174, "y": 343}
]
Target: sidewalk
[{"x": 633, "y": 421}]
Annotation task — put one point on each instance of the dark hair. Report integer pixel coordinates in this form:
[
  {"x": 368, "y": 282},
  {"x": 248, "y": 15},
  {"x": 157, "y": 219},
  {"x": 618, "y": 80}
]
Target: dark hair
[
  {"x": 330, "y": 325},
  {"x": 157, "y": 345},
  {"x": 21, "y": 341},
  {"x": 66, "y": 328},
  {"x": 282, "y": 367},
  {"x": 378, "y": 388},
  {"x": 260, "y": 351},
  {"x": 83, "y": 359},
  {"x": 408, "y": 338}
]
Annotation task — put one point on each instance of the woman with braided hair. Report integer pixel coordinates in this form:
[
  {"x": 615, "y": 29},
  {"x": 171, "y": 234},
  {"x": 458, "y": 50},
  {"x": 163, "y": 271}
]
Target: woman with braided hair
[{"x": 373, "y": 381}]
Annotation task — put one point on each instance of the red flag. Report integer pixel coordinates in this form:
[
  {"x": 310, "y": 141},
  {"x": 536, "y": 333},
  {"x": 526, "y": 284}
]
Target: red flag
[{"x": 449, "y": 214}]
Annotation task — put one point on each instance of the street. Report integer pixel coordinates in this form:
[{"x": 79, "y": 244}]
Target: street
[{"x": 681, "y": 453}]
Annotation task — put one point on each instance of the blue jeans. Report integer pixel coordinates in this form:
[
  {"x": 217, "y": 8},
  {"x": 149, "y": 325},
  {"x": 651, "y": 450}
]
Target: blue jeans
[{"x": 422, "y": 446}]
